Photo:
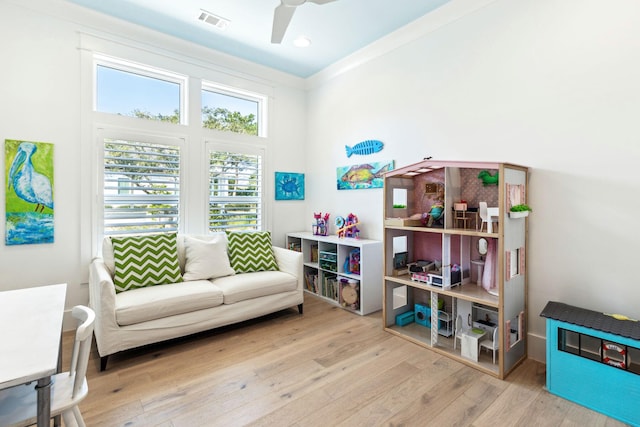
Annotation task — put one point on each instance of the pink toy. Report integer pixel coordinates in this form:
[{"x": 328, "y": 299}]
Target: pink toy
[
  {"x": 349, "y": 228},
  {"x": 321, "y": 228}
]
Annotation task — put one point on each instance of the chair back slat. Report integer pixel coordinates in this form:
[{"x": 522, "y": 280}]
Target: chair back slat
[{"x": 82, "y": 345}]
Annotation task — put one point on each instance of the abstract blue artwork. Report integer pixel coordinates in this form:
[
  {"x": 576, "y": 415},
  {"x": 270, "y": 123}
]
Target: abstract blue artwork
[
  {"x": 289, "y": 186},
  {"x": 29, "y": 195}
]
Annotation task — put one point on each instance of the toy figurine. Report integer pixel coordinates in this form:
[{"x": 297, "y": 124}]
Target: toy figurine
[
  {"x": 321, "y": 228},
  {"x": 435, "y": 215},
  {"x": 348, "y": 227}
]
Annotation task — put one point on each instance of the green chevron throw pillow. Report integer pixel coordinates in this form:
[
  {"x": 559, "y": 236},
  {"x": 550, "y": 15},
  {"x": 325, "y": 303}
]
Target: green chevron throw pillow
[
  {"x": 250, "y": 251},
  {"x": 145, "y": 260}
]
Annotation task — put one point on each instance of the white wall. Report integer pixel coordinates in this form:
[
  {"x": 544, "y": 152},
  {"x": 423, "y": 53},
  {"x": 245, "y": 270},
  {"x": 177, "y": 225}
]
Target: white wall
[
  {"x": 41, "y": 97},
  {"x": 549, "y": 84}
]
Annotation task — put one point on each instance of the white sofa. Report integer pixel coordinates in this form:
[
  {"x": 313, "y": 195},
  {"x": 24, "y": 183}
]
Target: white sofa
[{"x": 151, "y": 314}]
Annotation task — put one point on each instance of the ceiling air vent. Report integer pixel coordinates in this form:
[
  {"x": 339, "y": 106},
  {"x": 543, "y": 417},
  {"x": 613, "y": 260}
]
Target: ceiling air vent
[{"x": 215, "y": 20}]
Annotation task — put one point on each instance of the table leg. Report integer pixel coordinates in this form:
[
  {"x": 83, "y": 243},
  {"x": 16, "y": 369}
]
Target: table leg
[
  {"x": 44, "y": 401},
  {"x": 57, "y": 420}
]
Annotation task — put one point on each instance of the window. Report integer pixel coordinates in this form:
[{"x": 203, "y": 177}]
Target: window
[
  {"x": 231, "y": 110},
  {"x": 155, "y": 177},
  {"x": 128, "y": 89},
  {"x": 141, "y": 187},
  {"x": 235, "y": 191},
  {"x": 599, "y": 350}
]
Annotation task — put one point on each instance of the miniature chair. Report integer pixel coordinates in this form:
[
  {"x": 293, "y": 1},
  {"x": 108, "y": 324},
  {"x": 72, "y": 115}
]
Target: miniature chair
[
  {"x": 18, "y": 405},
  {"x": 460, "y": 214},
  {"x": 491, "y": 344},
  {"x": 459, "y": 331},
  {"x": 483, "y": 211}
]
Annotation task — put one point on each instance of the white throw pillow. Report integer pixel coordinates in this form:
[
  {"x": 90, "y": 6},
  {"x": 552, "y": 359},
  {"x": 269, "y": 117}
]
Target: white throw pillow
[{"x": 206, "y": 260}]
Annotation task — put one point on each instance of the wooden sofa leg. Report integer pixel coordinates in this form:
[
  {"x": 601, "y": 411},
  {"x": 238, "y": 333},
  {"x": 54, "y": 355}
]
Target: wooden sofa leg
[
  {"x": 103, "y": 363},
  {"x": 300, "y": 308}
]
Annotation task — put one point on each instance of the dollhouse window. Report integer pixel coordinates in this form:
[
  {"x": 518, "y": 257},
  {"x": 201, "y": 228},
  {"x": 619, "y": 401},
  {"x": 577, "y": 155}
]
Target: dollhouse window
[{"x": 599, "y": 350}]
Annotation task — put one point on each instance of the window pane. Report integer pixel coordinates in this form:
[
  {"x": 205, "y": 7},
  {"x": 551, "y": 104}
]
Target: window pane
[
  {"x": 568, "y": 341},
  {"x": 590, "y": 347},
  {"x": 235, "y": 191},
  {"x": 141, "y": 187},
  {"x": 229, "y": 113},
  {"x": 136, "y": 95}
]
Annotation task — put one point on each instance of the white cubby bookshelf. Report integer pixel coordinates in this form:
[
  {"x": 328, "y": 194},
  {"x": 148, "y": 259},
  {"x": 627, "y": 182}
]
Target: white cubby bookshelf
[{"x": 327, "y": 276}]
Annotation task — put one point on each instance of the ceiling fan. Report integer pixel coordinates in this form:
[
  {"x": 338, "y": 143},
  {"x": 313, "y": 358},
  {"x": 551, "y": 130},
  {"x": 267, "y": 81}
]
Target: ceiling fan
[{"x": 283, "y": 14}]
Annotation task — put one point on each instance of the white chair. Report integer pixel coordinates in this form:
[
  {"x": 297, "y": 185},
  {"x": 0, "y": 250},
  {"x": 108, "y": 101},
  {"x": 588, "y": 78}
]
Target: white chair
[
  {"x": 18, "y": 405},
  {"x": 483, "y": 211},
  {"x": 459, "y": 331},
  {"x": 491, "y": 344}
]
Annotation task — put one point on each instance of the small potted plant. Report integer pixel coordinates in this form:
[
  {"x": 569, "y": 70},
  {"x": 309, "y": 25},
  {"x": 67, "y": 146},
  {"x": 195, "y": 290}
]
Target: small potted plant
[{"x": 520, "y": 211}]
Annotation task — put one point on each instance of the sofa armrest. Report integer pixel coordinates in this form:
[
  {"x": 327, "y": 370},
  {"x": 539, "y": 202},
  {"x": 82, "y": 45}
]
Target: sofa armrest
[
  {"x": 290, "y": 262},
  {"x": 102, "y": 299}
]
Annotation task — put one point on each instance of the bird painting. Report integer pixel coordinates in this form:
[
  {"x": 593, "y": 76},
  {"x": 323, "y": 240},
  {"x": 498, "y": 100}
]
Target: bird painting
[{"x": 28, "y": 184}]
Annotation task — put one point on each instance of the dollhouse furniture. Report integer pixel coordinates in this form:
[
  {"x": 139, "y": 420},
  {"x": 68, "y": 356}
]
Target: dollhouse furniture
[
  {"x": 460, "y": 215},
  {"x": 479, "y": 263},
  {"x": 488, "y": 216},
  {"x": 498, "y": 304},
  {"x": 469, "y": 346},
  {"x": 593, "y": 359},
  {"x": 492, "y": 344},
  {"x": 458, "y": 331}
]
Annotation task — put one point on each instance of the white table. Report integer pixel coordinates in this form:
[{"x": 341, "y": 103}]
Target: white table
[
  {"x": 30, "y": 330},
  {"x": 469, "y": 343},
  {"x": 492, "y": 213}
]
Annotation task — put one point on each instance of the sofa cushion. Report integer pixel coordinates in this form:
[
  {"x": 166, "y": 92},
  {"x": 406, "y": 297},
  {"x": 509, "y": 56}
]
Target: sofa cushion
[
  {"x": 145, "y": 260},
  {"x": 206, "y": 259},
  {"x": 144, "y": 304},
  {"x": 251, "y": 251},
  {"x": 247, "y": 286}
]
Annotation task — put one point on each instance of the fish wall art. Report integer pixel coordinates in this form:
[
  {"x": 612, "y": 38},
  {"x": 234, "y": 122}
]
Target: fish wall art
[
  {"x": 368, "y": 175},
  {"x": 364, "y": 148},
  {"x": 29, "y": 192}
]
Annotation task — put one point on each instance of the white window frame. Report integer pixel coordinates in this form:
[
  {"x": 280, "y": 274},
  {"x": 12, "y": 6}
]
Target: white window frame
[
  {"x": 147, "y": 71},
  {"x": 195, "y": 75},
  {"x": 261, "y": 100}
]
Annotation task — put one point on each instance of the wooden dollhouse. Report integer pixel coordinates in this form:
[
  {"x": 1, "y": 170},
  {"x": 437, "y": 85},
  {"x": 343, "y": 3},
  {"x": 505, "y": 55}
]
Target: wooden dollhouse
[
  {"x": 593, "y": 359},
  {"x": 450, "y": 220}
]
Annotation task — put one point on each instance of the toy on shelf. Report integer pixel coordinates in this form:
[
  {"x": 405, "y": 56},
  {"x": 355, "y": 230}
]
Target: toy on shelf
[
  {"x": 352, "y": 262},
  {"x": 348, "y": 227},
  {"x": 321, "y": 227}
]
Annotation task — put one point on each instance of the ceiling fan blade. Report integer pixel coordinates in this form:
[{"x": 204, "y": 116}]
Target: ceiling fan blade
[{"x": 281, "y": 19}]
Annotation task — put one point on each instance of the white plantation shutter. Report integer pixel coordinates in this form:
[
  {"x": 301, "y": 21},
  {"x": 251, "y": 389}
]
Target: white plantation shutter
[
  {"x": 235, "y": 191},
  {"x": 141, "y": 187}
]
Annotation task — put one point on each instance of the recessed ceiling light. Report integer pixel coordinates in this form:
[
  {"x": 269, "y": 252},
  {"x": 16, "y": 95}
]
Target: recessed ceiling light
[
  {"x": 215, "y": 20},
  {"x": 302, "y": 41}
]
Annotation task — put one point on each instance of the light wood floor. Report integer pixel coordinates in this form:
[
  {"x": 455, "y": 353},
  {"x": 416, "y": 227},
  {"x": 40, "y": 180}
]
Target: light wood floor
[{"x": 327, "y": 367}]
